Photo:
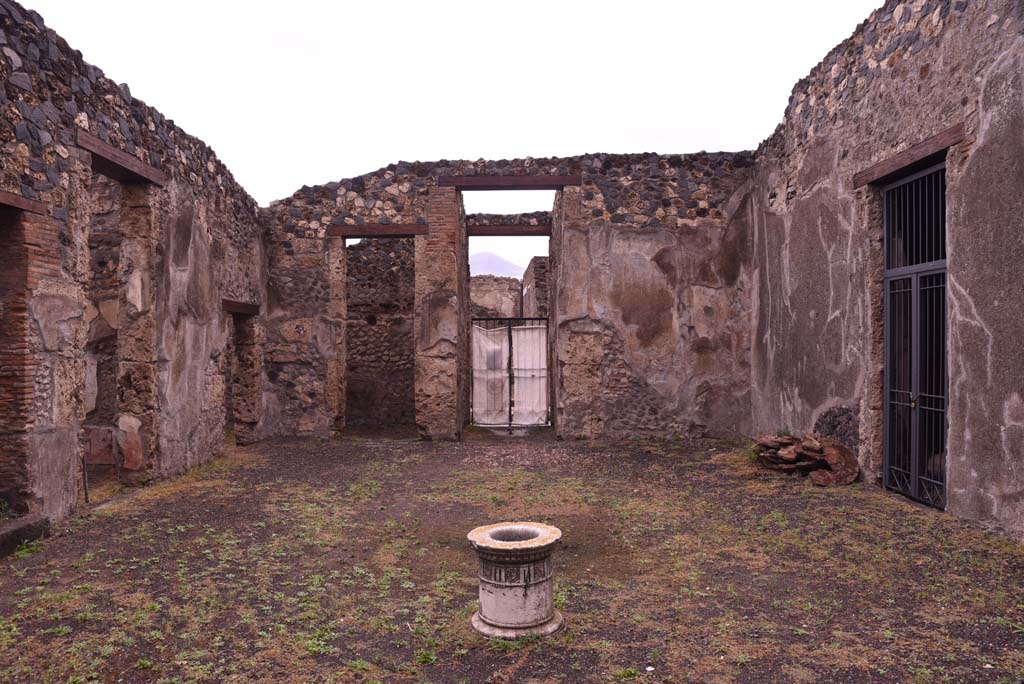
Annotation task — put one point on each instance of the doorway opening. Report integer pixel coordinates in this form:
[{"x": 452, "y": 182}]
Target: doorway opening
[
  {"x": 510, "y": 350},
  {"x": 105, "y": 290},
  {"x": 916, "y": 378},
  {"x": 380, "y": 347},
  {"x": 243, "y": 377}
]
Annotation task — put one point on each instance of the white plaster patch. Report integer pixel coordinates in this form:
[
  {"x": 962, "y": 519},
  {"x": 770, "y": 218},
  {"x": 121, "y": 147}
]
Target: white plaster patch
[
  {"x": 134, "y": 290},
  {"x": 91, "y": 385}
]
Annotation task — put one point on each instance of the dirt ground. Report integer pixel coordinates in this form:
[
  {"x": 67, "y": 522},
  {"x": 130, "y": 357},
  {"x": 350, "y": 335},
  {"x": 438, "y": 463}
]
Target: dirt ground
[{"x": 346, "y": 560}]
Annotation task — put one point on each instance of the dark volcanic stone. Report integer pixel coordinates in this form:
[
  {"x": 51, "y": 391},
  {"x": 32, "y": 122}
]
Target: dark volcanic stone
[
  {"x": 842, "y": 423},
  {"x": 21, "y": 79}
]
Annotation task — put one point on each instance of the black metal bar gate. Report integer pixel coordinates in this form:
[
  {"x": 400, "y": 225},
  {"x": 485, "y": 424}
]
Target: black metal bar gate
[
  {"x": 915, "y": 392},
  {"x": 496, "y": 371}
]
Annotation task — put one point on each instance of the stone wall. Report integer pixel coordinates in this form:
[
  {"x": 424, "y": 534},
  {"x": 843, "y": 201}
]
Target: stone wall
[
  {"x": 650, "y": 294},
  {"x": 654, "y": 337},
  {"x": 532, "y": 218},
  {"x": 134, "y": 278},
  {"x": 380, "y": 367},
  {"x": 495, "y": 296},
  {"x": 535, "y": 288},
  {"x": 703, "y": 294},
  {"x": 911, "y": 70}
]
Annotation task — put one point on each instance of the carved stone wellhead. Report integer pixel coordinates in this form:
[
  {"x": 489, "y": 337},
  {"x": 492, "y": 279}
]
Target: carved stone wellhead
[{"x": 516, "y": 591}]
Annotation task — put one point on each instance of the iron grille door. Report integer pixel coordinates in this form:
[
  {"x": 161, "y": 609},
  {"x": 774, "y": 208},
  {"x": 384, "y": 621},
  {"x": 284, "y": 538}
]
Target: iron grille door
[
  {"x": 915, "y": 337},
  {"x": 510, "y": 375}
]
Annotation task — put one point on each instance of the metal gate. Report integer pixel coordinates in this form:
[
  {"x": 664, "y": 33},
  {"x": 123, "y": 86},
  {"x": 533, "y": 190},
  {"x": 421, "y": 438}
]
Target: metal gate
[
  {"x": 510, "y": 372},
  {"x": 914, "y": 213}
]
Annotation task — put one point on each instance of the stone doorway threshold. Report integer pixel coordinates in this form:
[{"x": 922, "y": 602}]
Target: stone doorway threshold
[{"x": 513, "y": 431}]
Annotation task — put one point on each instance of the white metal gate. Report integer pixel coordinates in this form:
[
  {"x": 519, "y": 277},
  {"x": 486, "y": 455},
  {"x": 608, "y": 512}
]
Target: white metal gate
[{"x": 510, "y": 371}]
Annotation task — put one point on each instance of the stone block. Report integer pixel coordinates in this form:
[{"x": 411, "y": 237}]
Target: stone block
[
  {"x": 57, "y": 318},
  {"x": 55, "y": 469},
  {"x": 14, "y": 533},
  {"x": 129, "y": 442},
  {"x": 91, "y": 383},
  {"x": 68, "y": 390},
  {"x": 297, "y": 330}
]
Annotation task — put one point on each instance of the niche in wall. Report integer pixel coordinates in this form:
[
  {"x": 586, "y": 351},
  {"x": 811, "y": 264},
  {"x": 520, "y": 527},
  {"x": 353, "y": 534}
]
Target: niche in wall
[{"x": 104, "y": 292}]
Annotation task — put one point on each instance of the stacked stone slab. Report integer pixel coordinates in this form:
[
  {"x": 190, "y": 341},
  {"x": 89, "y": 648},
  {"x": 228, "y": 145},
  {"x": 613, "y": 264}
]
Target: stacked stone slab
[{"x": 827, "y": 461}]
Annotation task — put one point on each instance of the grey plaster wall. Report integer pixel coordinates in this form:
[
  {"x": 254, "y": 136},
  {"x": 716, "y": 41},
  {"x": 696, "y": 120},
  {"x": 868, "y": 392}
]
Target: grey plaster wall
[
  {"x": 650, "y": 318},
  {"x": 910, "y": 71}
]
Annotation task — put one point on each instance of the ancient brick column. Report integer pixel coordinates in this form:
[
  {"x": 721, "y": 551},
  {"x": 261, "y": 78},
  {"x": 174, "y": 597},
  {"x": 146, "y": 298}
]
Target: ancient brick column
[
  {"x": 41, "y": 369},
  {"x": 439, "y": 319},
  {"x": 17, "y": 365}
]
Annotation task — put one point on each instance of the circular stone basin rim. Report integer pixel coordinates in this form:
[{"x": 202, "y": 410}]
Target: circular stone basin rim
[{"x": 514, "y": 535}]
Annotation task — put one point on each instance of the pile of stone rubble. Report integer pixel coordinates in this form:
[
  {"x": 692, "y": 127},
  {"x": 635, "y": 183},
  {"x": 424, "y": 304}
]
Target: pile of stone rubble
[{"x": 825, "y": 460}]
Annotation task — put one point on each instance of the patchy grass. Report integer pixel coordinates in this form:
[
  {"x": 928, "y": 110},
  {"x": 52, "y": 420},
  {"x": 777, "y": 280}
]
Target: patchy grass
[{"x": 346, "y": 561}]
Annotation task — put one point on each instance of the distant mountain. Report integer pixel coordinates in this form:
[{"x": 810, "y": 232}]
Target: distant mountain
[{"x": 485, "y": 263}]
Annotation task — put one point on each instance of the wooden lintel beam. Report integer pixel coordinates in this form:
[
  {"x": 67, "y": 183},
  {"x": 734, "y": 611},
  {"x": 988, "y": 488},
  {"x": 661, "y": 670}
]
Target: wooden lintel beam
[
  {"x": 244, "y": 308},
  {"x": 118, "y": 164},
  {"x": 509, "y": 182},
  {"x": 499, "y": 230},
  {"x": 910, "y": 156},
  {"x": 379, "y": 230},
  {"x": 9, "y": 199}
]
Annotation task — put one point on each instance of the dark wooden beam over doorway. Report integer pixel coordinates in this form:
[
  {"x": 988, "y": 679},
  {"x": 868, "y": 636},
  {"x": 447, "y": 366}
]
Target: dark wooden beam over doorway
[
  {"x": 13, "y": 201},
  {"x": 910, "y": 156},
  {"x": 379, "y": 230},
  {"x": 244, "y": 308},
  {"x": 501, "y": 230},
  {"x": 509, "y": 182},
  {"x": 118, "y": 164}
]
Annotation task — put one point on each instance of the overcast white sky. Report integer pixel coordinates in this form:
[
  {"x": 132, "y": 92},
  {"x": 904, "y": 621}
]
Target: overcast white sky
[{"x": 305, "y": 92}]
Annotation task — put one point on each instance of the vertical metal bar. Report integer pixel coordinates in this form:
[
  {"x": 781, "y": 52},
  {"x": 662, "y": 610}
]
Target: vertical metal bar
[
  {"x": 921, "y": 186},
  {"x": 907, "y": 232},
  {"x": 906, "y": 226},
  {"x": 913, "y": 216},
  {"x": 895, "y": 228},
  {"x": 915, "y": 379},
  {"x": 898, "y": 225},
  {"x": 915, "y": 219},
  {"x": 886, "y": 371},
  {"x": 511, "y": 376},
  {"x": 942, "y": 211},
  {"x": 912, "y": 221},
  {"x": 927, "y": 330},
  {"x": 935, "y": 219},
  {"x": 945, "y": 394},
  {"x": 888, "y": 244},
  {"x": 85, "y": 477}
]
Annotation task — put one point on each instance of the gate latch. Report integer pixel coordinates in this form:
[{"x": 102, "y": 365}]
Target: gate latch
[{"x": 913, "y": 402}]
